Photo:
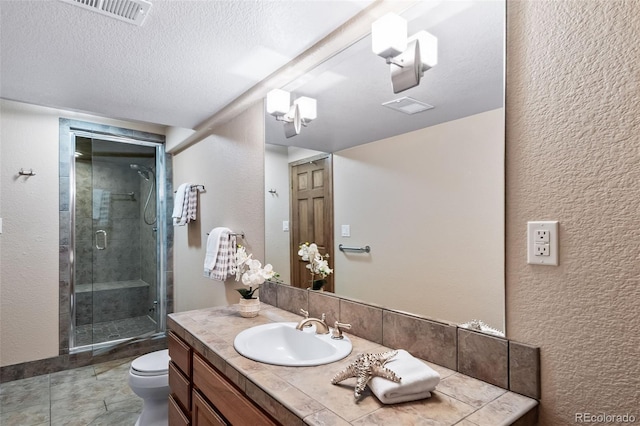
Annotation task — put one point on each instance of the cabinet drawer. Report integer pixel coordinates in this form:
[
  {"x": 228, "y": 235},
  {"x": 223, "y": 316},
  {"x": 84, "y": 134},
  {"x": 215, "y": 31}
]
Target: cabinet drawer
[
  {"x": 180, "y": 387},
  {"x": 203, "y": 414},
  {"x": 180, "y": 354},
  {"x": 176, "y": 416},
  {"x": 230, "y": 402}
]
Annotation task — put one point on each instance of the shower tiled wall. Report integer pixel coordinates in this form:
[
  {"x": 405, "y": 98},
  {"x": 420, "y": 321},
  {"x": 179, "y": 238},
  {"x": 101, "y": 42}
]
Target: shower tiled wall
[{"x": 120, "y": 261}]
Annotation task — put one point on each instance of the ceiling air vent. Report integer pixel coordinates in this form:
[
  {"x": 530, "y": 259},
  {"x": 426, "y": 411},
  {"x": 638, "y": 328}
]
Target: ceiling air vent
[
  {"x": 407, "y": 105},
  {"x": 131, "y": 11}
]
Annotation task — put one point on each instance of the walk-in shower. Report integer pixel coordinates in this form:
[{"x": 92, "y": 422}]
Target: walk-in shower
[{"x": 118, "y": 240}]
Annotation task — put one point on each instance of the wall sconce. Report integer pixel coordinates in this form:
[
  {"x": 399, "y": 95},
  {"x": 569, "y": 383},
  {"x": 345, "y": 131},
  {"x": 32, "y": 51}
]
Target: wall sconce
[
  {"x": 295, "y": 115},
  {"x": 408, "y": 57}
]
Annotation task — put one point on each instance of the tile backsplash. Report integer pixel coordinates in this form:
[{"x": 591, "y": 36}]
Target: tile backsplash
[{"x": 501, "y": 362}]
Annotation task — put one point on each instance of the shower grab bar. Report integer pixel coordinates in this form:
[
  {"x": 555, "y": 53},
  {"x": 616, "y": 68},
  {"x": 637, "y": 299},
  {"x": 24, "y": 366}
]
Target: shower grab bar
[
  {"x": 365, "y": 249},
  {"x": 104, "y": 239}
]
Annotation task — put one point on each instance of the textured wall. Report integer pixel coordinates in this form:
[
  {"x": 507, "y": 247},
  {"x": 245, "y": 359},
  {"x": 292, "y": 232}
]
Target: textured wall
[
  {"x": 231, "y": 166},
  {"x": 573, "y": 138},
  {"x": 29, "y": 276}
]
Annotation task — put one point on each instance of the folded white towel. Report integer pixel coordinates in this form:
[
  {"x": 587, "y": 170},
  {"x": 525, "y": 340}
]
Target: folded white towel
[
  {"x": 180, "y": 204},
  {"x": 417, "y": 380}
]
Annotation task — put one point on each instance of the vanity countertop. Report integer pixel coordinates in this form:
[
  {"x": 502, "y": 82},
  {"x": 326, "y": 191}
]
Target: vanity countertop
[{"x": 304, "y": 395}]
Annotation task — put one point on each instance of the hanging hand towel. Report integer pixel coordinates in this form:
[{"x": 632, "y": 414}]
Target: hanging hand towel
[
  {"x": 181, "y": 204},
  {"x": 192, "y": 203},
  {"x": 417, "y": 380},
  {"x": 220, "y": 258}
]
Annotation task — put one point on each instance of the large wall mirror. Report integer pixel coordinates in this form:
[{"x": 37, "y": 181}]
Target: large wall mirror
[{"x": 424, "y": 190}]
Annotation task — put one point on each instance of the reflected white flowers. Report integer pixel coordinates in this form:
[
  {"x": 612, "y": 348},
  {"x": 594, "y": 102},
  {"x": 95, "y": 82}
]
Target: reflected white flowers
[{"x": 318, "y": 263}]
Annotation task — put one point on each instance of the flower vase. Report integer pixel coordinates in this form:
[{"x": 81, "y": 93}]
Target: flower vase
[
  {"x": 249, "y": 308},
  {"x": 318, "y": 284}
]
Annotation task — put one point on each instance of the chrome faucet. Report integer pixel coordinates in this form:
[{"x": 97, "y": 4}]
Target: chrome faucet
[{"x": 321, "y": 325}]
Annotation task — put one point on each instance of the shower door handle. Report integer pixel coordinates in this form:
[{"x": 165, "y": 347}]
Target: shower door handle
[{"x": 104, "y": 239}]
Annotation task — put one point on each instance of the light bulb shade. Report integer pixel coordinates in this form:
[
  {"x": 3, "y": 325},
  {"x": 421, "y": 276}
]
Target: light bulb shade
[
  {"x": 278, "y": 102},
  {"x": 294, "y": 122},
  {"x": 428, "y": 46},
  {"x": 406, "y": 69},
  {"x": 389, "y": 35},
  {"x": 308, "y": 108}
]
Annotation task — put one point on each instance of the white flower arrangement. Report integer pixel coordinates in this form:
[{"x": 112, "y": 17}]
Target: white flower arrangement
[
  {"x": 318, "y": 263},
  {"x": 251, "y": 272}
]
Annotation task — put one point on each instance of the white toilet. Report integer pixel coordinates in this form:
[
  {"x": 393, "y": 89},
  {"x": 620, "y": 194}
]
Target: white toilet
[{"x": 149, "y": 379}]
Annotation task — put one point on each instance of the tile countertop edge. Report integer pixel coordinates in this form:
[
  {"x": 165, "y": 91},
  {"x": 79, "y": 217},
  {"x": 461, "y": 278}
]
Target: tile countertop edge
[{"x": 506, "y": 409}]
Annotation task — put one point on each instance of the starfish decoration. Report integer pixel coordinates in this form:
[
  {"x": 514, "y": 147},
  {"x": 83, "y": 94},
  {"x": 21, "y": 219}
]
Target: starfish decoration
[{"x": 364, "y": 368}]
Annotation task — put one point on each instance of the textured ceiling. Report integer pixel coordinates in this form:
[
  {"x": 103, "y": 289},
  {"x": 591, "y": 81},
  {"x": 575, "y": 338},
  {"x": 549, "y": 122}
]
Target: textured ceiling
[{"x": 188, "y": 60}]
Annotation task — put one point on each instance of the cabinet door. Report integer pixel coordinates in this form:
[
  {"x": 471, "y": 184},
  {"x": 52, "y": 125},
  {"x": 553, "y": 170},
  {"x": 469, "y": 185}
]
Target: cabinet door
[
  {"x": 180, "y": 387},
  {"x": 202, "y": 414},
  {"x": 228, "y": 401},
  {"x": 176, "y": 416},
  {"x": 180, "y": 353}
]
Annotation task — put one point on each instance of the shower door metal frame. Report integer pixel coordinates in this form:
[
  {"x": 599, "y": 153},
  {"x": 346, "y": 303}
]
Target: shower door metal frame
[{"x": 161, "y": 249}]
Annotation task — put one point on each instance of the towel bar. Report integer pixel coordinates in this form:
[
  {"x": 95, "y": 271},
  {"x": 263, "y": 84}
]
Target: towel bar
[
  {"x": 199, "y": 187},
  {"x": 365, "y": 249}
]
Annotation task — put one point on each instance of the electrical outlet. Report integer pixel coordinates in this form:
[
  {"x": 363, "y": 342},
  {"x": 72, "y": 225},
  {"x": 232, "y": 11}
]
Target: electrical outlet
[
  {"x": 542, "y": 235},
  {"x": 542, "y": 243},
  {"x": 542, "y": 249}
]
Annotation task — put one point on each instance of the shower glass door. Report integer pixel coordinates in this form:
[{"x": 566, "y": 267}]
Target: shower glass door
[{"x": 116, "y": 278}]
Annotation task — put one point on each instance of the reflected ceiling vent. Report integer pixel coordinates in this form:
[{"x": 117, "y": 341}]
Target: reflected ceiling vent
[
  {"x": 407, "y": 105},
  {"x": 131, "y": 11}
]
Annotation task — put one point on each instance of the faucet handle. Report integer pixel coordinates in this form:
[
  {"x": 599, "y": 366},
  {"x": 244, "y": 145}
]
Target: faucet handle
[
  {"x": 338, "y": 327},
  {"x": 305, "y": 313}
]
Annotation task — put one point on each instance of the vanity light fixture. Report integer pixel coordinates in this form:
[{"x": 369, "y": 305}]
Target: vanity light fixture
[
  {"x": 408, "y": 57},
  {"x": 300, "y": 113}
]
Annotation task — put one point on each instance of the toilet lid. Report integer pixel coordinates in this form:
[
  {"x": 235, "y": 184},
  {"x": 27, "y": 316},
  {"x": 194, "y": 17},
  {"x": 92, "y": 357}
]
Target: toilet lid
[{"x": 152, "y": 364}]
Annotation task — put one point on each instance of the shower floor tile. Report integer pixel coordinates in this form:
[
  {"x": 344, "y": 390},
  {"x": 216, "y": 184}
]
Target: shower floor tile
[
  {"x": 112, "y": 330},
  {"x": 94, "y": 395}
]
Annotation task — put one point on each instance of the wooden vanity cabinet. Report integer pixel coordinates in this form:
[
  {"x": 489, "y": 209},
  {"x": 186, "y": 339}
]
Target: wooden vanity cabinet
[
  {"x": 203, "y": 396},
  {"x": 180, "y": 372}
]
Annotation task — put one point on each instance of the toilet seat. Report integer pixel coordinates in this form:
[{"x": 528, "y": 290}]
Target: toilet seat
[{"x": 151, "y": 364}]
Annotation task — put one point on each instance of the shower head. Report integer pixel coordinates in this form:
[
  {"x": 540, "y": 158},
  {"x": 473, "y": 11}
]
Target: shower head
[{"x": 144, "y": 171}]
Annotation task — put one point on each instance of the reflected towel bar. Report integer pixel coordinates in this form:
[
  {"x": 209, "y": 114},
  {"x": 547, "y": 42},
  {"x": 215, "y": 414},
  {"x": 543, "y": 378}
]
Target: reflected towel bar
[
  {"x": 200, "y": 188},
  {"x": 237, "y": 234},
  {"x": 365, "y": 249}
]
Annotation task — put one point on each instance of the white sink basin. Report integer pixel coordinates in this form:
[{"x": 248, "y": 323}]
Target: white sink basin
[{"x": 280, "y": 343}]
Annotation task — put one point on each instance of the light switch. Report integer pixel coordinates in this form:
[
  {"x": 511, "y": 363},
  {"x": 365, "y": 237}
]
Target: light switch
[
  {"x": 285, "y": 225},
  {"x": 346, "y": 231}
]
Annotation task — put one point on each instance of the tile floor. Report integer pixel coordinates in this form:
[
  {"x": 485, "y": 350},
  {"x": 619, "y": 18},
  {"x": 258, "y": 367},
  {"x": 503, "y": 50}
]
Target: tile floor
[{"x": 93, "y": 395}]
